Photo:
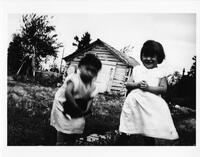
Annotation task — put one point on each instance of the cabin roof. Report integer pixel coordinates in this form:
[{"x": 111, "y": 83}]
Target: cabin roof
[{"x": 130, "y": 61}]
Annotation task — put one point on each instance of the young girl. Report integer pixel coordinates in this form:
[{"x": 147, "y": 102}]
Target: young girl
[
  {"x": 73, "y": 101},
  {"x": 144, "y": 111}
]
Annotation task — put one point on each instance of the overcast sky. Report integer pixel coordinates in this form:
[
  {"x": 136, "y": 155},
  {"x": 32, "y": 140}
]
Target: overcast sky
[{"x": 176, "y": 32}]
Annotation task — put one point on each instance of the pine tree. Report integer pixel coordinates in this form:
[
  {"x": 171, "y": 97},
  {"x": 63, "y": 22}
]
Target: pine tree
[{"x": 83, "y": 42}]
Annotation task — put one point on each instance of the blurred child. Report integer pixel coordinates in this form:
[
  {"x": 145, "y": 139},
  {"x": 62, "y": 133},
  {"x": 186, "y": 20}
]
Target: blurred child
[
  {"x": 73, "y": 100},
  {"x": 144, "y": 111}
]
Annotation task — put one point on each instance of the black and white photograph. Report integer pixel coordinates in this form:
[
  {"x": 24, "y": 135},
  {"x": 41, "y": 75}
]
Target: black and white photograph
[{"x": 111, "y": 79}]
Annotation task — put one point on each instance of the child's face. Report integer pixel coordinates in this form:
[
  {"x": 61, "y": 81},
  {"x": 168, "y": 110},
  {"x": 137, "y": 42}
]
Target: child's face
[
  {"x": 149, "y": 62},
  {"x": 87, "y": 73}
]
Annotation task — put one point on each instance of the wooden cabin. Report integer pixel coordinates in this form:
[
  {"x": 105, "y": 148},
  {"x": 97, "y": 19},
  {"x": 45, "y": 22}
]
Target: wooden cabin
[{"x": 116, "y": 66}]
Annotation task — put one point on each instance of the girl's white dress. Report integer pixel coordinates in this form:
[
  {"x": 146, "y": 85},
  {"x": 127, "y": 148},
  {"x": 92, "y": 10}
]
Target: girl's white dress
[{"x": 144, "y": 112}]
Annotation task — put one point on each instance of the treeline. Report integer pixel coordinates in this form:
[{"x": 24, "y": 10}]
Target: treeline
[{"x": 182, "y": 89}]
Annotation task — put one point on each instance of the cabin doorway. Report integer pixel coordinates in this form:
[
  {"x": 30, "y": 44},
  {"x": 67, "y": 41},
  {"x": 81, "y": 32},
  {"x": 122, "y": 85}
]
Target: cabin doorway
[{"x": 104, "y": 78}]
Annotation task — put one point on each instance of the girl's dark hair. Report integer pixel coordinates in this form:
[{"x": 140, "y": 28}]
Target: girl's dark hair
[
  {"x": 151, "y": 48},
  {"x": 91, "y": 59}
]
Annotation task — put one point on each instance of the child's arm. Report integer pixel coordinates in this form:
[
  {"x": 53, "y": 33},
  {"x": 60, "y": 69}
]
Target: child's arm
[
  {"x": 89, "y": 105},
  {"x": 161, "y": 89},
  {"x": 69, "y": 96}
]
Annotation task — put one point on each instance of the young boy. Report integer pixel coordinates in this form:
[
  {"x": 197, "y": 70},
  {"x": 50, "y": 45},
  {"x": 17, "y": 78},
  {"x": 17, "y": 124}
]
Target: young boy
[{"x": 74, "y": 99}]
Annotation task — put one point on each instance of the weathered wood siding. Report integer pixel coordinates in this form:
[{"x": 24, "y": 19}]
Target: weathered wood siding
[
  {"x": 120, "y": 77},
  {"x": 114, "y": 72}
]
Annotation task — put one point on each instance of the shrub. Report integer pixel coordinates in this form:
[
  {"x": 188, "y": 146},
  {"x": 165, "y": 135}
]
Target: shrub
[{"x": 48, "y": 78}]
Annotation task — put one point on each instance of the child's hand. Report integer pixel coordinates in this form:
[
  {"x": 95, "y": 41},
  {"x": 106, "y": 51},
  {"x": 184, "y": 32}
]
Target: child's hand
[{"x": 143, "y": 85}]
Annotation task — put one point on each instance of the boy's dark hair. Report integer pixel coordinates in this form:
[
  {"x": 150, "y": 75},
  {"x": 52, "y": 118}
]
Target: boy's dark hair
[
  {"x": 151, "y": 48},
  {"x": 90, "y": 59}
]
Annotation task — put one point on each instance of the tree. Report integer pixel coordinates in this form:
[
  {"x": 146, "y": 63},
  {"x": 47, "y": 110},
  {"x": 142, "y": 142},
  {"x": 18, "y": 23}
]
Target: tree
[
  {"x": 127, "y": 49},
  {"x": 183, "y": 87},
  {"x": 54, "y": 68},
  {"x": 192, "y": 72},
  {"x": 83, "y": 42},
  {"x": 15, "y": 54},
  {"x": 174, "y": 78},
  {"x": 36, "y": 39}
]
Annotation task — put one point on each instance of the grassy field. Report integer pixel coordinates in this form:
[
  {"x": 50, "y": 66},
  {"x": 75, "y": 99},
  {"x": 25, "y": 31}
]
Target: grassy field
[{"x": 29, "y": 107}]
